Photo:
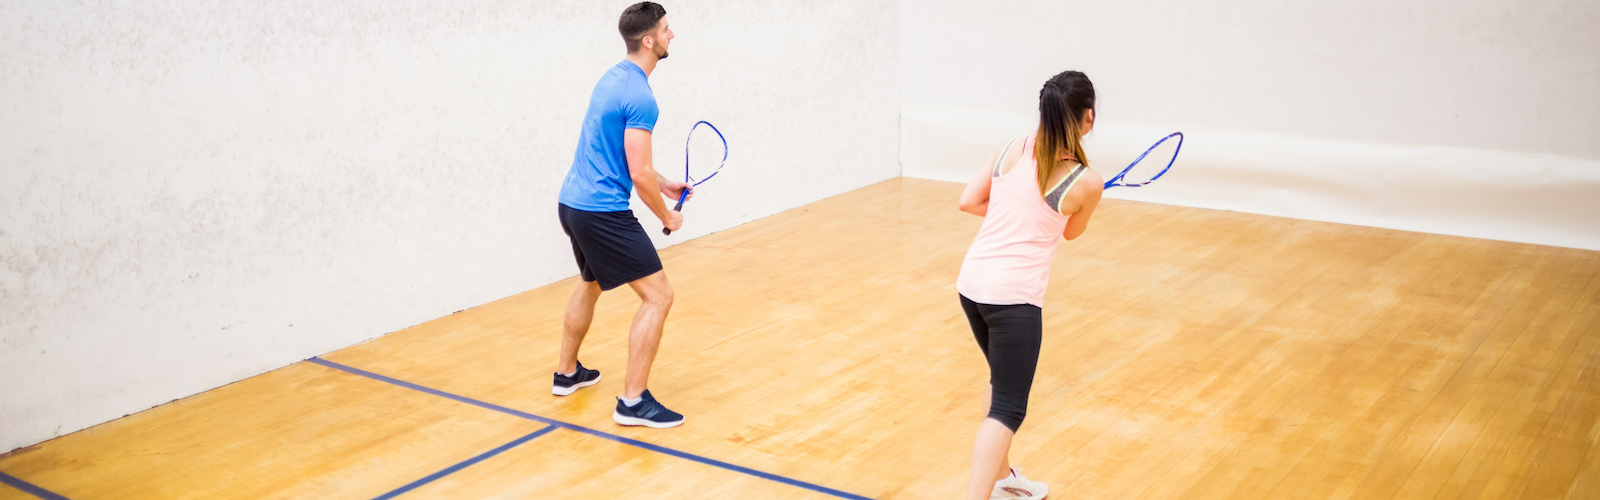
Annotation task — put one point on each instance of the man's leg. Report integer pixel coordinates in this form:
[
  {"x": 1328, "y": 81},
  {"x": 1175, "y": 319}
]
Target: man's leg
[
  {"x": 644, "y": 338},
  {"x": 580, "y": 313}
]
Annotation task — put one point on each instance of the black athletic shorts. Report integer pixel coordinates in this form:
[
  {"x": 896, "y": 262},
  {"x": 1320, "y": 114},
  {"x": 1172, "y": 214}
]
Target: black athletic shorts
[
  {"x": 1009, "y": 336},
  {"x": 611, "y": 247}
]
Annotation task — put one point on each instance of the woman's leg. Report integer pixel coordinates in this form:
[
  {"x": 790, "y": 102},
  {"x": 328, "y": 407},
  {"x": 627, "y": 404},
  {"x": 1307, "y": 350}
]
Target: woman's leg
[
  {"x": 989, "y": 458},
  {"x": 1011, "y": 337},
  {"x": 1004, "y": 469}
]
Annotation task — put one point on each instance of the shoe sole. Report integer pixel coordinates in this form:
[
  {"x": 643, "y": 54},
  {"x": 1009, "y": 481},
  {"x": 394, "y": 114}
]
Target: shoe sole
[
  {"x": 1018, "y": 497},
  {"x": 639, "y": 421},
  {"x": 563, "y": 391},
  {"x": 1025, "y": 495}
]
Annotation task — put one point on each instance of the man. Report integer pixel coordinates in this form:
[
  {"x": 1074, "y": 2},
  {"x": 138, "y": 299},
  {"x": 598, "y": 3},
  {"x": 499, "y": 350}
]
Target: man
[{"x": 612, "y": 249}]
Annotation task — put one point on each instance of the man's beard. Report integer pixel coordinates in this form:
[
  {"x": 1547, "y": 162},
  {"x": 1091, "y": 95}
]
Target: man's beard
[{"x": 662, "y": 56}]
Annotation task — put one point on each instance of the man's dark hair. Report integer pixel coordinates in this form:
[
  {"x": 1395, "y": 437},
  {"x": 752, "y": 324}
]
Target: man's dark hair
[{"x": 638, "y": 19}]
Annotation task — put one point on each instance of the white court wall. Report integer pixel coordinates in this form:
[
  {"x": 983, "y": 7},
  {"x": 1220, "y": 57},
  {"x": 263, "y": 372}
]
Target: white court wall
[
  {"x": 1472, "y": 118},
  {"x": 192, "y": 193}
]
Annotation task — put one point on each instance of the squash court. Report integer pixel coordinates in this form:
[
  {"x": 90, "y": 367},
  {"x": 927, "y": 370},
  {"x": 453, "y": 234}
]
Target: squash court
[{"x": 820, "y": 353}]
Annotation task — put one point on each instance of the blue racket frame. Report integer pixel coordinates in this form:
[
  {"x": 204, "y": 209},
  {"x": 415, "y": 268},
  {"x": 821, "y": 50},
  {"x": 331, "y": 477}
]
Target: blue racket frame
[
  {"x": 689, "y": 179},
  {"x": 1117, "y": 181}
]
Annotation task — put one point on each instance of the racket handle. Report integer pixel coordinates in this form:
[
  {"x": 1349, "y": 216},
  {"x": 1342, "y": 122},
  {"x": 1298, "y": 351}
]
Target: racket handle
[{"x": 678, "y": 208}]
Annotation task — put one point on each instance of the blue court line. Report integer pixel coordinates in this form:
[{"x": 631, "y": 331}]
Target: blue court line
[
  {"x": 29, "y": 488},
  {"x": 464, "y": 464},
  {"x": 603, "y": 435}
]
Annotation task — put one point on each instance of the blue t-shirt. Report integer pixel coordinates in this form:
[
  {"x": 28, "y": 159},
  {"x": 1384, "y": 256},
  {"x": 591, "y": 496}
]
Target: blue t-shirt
[{"x": 598, "y": 180}]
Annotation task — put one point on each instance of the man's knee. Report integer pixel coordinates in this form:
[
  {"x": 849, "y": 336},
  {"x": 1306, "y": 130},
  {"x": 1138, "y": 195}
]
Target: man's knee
[
  {"x": 660, "y": 296},
  {"x": 654, "y": 290}
]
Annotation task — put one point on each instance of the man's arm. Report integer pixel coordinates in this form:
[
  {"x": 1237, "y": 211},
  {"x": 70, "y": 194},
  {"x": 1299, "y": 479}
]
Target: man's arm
[{"x": 636, "y": 143}]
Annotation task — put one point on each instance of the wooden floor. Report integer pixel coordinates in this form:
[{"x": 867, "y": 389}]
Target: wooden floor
[{"x": 1188, "y": 354}]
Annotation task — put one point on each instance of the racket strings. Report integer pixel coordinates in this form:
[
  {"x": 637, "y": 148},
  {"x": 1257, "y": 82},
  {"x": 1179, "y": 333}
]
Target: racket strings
[
  {"x": 1151, "y": 164},
  {"x": 688, "y": 166},
  {"x": 689, "y": 144}
]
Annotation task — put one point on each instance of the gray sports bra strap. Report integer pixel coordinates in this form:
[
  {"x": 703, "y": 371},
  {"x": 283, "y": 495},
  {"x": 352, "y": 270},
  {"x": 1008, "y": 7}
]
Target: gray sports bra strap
[
  {"x": 1002, "y": 159},
  {"x": 1054, "y": 198}
]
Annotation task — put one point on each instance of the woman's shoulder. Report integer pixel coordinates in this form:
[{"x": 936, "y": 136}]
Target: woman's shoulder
[
  {"x": 1085, "y": 190},
  {"x": 1091, "y": 180},
  {"x": 1013, "y": 153}
]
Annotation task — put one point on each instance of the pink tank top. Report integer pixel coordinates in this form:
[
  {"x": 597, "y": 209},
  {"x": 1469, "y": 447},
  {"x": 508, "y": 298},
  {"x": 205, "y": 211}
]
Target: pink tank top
[{"x": 1009, "y": 261}]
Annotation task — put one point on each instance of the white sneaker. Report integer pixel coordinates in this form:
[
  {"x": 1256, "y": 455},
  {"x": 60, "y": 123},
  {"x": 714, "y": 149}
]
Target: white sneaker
[{"x": 1016, "y": 486}]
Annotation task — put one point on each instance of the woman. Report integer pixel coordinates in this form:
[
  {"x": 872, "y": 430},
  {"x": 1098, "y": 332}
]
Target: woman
[{"x": 1036, "y": 188}]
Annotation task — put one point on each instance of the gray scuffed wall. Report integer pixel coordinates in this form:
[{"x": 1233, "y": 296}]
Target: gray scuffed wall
[{"x": 192, "y": 193}]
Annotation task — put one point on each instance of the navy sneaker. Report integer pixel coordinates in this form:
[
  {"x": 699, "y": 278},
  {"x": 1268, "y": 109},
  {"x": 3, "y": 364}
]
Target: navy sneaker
[
  {"x": 648, "y": 412},
  {"x": 584, "y": 377}
]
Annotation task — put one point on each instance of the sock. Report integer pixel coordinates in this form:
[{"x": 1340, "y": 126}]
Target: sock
[
  {"x": 569, "y": 375},
  {"x": 631, "y": 402}
]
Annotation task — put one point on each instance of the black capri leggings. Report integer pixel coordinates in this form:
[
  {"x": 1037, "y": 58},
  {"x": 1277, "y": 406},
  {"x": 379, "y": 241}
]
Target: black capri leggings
[{"x": 1009, "y": 337}]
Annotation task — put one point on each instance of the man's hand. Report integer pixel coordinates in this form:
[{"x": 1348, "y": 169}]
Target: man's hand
[
  {"x": 674, "y": 220},
  {"x": 673, "y": 189}
]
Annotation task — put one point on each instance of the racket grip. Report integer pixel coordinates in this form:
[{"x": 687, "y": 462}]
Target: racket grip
[{"x": 677, "y": 208}]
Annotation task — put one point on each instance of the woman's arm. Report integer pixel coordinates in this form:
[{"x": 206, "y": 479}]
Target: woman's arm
[
  {"x": 975, "y": 198},
  {"x": 1078, "y": 222}
]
